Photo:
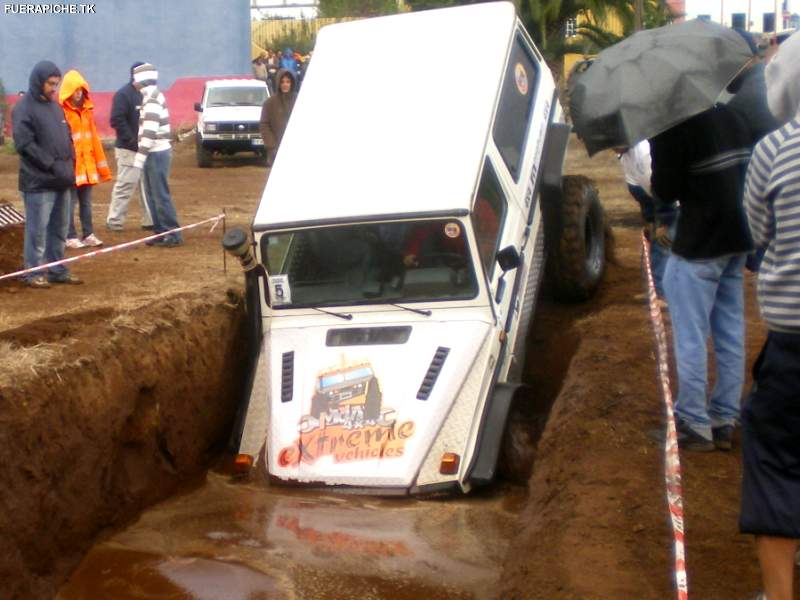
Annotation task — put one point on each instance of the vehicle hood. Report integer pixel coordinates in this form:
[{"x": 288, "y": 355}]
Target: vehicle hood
[
  {"x": 226, "y": 114},
  {"x": 360, "y": 440}
]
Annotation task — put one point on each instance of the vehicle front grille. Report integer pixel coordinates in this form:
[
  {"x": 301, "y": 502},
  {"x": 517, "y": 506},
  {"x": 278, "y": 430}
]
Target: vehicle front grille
[
  {"x": 287, "y": 376},
  {"x": 433, "y": 373},
  {"x": 237, "y": 127}
]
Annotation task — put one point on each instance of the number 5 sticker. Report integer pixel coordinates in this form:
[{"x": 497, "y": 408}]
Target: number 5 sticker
[{"x": 279, "y": 290}]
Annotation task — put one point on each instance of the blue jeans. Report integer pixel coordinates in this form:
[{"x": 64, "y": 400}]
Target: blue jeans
[
  {"x": 45, "y": 231},
  {"x": 83, "y": 196},
  {"x": 658, "y": 263},
  {"x": 159, "y": 199},
  {"x": 707, "y": 297}
]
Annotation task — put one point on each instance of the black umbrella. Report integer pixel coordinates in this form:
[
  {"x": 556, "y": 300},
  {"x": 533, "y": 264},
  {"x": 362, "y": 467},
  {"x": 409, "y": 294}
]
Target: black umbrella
[{"x": 654, "y": 80}]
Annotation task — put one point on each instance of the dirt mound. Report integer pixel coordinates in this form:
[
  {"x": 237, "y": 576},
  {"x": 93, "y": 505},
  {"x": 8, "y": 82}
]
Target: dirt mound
[
  {"x": 101, "y": 414},
  {"x": 11, "y": 240}
]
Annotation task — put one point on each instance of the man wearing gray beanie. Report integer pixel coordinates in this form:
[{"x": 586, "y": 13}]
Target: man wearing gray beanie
[{"x": 154, "y": 156}]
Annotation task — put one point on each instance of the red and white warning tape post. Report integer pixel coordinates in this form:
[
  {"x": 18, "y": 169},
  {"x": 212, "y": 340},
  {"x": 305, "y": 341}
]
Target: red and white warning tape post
[
  {"x": 672, "y": 462},
  {"x": 215, "y": 220}
]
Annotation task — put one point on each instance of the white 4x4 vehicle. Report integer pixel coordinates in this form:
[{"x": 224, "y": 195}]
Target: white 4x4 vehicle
[
  {"x": 397, "y": 255},
  {"x": 228, "y": 118}
]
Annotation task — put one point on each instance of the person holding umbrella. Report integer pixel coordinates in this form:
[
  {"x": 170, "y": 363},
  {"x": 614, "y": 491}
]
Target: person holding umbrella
[
  {"x": 701, "y": 163},
  {"x": 662, "y": 85}
]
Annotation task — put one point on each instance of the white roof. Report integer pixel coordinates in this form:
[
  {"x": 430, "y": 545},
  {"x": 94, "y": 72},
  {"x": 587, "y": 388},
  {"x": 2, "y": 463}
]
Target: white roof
[
  {"x": 392, "y": 118},
  {"x": 235, "y": 83}
]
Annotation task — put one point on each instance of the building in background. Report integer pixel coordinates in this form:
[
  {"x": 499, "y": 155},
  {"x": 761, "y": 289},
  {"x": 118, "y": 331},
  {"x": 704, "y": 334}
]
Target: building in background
[
  {"x": 183, "y": 38},
  {"x": 752, "y": 15}
]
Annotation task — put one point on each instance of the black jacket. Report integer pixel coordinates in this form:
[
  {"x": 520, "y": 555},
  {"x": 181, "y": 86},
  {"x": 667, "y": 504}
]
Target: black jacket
[
  {"x": 125, "y": 116},
  {"x": 750, "y": 102},
  {"x": 702, "y": 163},
  {"x": 42, "y": 137}
]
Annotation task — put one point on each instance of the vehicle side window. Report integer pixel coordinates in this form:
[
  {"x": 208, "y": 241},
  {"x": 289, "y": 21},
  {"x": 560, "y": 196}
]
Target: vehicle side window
[
  {"x": 516, "y": 106},
  {"x": 487, "y": 217}
]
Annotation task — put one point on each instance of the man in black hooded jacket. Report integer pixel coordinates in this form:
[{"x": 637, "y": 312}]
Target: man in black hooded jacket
[{"x": 46, "y": 174}]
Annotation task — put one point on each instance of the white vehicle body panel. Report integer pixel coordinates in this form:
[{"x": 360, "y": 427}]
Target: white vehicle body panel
[
  {"x": 380, "y": 150},
  {"x": 415, "y": 148}
]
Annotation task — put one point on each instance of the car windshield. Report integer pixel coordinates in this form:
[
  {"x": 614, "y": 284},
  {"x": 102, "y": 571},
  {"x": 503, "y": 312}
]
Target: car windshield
[
  {"x": 404, "y": 261},
  {"x": 237, "y": 96}
]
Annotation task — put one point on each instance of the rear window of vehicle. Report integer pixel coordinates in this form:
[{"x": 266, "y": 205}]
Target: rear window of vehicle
[{"x": 516, "y": 106}]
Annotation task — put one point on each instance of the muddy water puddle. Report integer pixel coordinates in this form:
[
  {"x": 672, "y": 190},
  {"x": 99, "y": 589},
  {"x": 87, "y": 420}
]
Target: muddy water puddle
[{"x": 237, "y": 541}]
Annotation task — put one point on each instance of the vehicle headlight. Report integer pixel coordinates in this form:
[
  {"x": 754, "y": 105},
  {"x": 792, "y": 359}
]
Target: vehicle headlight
[{"x": 211, "y": 127}]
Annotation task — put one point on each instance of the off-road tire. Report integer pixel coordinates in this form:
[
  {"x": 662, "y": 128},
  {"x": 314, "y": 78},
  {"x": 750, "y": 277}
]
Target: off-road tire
[
  {"x": 576, "y": 261},
  {"x": 204, "y": 156},
  {"x": 524, "y": 427}
]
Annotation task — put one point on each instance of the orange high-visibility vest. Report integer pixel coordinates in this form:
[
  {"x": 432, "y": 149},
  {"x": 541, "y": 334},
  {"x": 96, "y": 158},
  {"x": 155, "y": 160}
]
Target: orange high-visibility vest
[{"x": 91, "y": 166}]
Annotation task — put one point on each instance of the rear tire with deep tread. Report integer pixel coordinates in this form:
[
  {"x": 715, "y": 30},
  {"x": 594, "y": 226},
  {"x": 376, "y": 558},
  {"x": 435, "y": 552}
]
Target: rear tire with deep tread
[
  {"x": 524, "y": 427},
  {"x": 576, "y": 261}
]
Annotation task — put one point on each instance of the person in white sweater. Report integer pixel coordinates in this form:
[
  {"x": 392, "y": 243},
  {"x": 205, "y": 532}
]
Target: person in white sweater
[{"x": 155, "y": 156}]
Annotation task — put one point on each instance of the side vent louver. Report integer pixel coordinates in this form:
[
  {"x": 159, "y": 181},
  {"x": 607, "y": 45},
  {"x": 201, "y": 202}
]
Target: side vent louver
[
  {"x": 287, "y": 376},
  {"x": 433, "y": 373}
]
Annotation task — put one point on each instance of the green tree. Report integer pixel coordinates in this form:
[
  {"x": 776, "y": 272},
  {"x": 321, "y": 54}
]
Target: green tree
[
  {"x": 357, "y": 8},
  {"x": 546, "y": 19}
]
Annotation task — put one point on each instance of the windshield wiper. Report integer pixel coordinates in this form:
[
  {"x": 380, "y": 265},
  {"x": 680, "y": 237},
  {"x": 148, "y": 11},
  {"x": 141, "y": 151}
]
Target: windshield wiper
[
  {"x": 420, "y": 311},
  {"x": 345, "y": 316}
]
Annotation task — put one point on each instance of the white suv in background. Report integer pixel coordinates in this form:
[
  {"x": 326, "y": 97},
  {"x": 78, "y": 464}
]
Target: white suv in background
[{"x": 228, "y": 118}]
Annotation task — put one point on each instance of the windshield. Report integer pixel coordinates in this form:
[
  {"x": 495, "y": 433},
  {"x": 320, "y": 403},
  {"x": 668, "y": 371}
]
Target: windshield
[
  {"x": 404, "y": 261},
  {"x": 237, "y": 96}
]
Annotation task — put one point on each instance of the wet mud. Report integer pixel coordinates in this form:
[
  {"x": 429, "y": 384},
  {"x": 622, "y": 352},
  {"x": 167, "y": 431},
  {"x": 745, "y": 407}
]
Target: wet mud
[
  {"x": 244, "y": 541},
  {"x": 102, "y": 416}
]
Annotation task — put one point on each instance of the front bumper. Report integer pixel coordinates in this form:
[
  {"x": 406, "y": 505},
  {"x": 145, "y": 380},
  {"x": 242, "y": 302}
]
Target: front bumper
[{"x": 238, "y": 142}]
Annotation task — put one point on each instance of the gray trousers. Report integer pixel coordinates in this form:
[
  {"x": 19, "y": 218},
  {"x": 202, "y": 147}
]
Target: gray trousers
[{"x": 128, "y": 179}]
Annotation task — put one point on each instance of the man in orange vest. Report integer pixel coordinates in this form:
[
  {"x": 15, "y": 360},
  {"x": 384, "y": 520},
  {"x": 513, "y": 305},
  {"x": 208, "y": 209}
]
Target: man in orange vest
[{"x": 91, "y": 166}]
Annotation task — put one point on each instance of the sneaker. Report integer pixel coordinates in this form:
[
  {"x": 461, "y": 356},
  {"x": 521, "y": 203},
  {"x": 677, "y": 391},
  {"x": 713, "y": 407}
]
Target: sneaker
[
  {"x": 114, "y": 227},
  {"x": 723, "y": 437},
  {"x": 148, "y": 227},
  {"x": 171, "y": 243},
  {"x": 69, "y": 280},
  {"x": 92, "y": 240},
  {"x": 689, "y": 439},
  {"x": 74, "y": 243},
  {"x": 38, "y": 282}
]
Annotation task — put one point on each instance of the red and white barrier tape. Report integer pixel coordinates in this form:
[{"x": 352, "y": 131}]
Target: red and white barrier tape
[
  {"x": 672, "y": 462},
  {"x": 216, "y": 220}
]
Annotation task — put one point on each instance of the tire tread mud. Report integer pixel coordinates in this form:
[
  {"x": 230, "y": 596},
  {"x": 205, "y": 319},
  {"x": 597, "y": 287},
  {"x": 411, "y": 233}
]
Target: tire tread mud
[{"x": 570, "y": 275}]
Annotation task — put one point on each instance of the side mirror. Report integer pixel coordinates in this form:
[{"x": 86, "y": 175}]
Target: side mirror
[
  {"x": 197, "y": 107},
  {"x": 509, "y": 259}
]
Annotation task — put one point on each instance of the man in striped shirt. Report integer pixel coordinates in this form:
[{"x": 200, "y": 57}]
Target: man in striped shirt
[
  {"x": 155, "y": 155},
  {"x": 771, "y": 416}
]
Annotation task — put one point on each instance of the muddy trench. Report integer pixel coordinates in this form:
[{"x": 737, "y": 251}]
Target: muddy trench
[
  {"x": 103, "y": 413},
  {"x": 123, "y": 410}
]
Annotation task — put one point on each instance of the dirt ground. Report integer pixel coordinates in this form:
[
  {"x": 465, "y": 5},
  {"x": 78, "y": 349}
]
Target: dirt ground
[{"x": 74, "y": 386}]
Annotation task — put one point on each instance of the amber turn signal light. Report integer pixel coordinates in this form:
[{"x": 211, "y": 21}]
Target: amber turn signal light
[
  {"x": 242, "y": 463},
  {"x": 449, "y": 464}
]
